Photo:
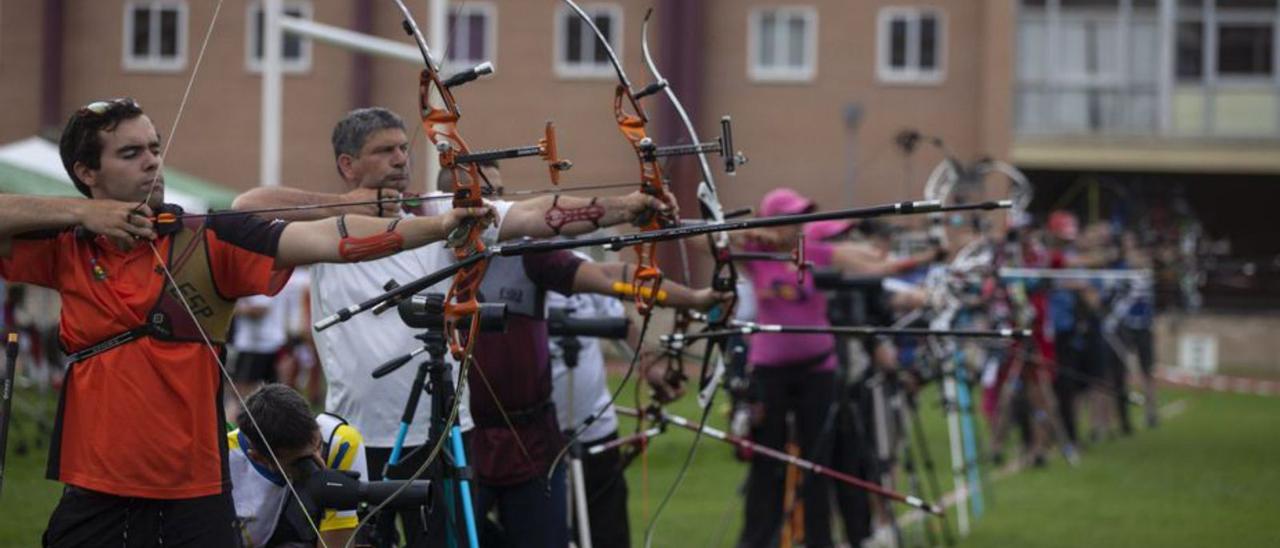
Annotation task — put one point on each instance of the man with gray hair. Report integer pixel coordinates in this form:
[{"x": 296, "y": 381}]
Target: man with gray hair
[{"x": 371, "y": 151}]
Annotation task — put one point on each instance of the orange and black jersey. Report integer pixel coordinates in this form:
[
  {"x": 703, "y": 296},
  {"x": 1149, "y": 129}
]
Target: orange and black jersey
[{"x": 143, "y": 419}]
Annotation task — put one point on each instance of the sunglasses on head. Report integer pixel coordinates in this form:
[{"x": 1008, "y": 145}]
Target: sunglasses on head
[{"x": 99, "y": 108}]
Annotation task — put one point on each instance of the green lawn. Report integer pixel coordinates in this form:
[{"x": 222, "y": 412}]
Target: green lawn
[
  {"x": 27, "y": 498},
  {"x": 1206, "y": 477}
]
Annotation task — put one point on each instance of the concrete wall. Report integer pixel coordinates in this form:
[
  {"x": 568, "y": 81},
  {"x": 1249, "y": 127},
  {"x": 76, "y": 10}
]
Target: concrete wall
[{"x": 1247, "y": 343}]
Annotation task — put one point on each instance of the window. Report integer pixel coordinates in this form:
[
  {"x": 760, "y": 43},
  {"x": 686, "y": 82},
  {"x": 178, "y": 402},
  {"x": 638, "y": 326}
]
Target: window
[
  {"x": 295, "y": 51},
  {"x": 155, "y": 36},
  {"x": 782, "y": 44},
  {"x": 1245, "y": 46},
  {"x": 471, "y": 35},
  {"x": 910, "y": 46},
  {"x": 1190, "y": 50},
  {"x": 1088, "y": 67},
  {"x": 1244, "y": 50},
  {"x": 578, "y": 52}
]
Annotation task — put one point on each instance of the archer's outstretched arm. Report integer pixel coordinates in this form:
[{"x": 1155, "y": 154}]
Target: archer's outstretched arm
[
  {"x": 604, "y": 279},
  {"x": 317, "y": 205},
  {"x": 855, "y": 259},
  {"x": 547, "y": 216},
  {"x": 19, "y": 214},
  {"x": 354, "y": 238}
]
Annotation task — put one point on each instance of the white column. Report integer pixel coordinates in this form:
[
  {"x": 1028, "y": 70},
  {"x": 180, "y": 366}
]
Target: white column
[
  {"x": 1053, "y": 32},
  {"x": 1275, "y": 54},
  {"x": 1209, "y": 74},
  {"x": 272, "y": 93},
  {"x": 1167, "y": 17},
  {"x": 1124, "y": 24}
]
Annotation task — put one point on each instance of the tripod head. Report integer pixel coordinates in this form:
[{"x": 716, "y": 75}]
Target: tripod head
[{"x": 427, "y": 312}]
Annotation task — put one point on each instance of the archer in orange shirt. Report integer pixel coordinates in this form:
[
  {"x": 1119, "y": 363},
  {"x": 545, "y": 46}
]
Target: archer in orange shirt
[{"x": 145, "y": 310}]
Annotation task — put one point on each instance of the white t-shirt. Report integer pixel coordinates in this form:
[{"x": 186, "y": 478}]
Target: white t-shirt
[
  {"x": 267, "y": 333},
  {"x": 260, "y": 495},
  {"x": 351, "y": 350},
  {"x": 590, "y": 388}
]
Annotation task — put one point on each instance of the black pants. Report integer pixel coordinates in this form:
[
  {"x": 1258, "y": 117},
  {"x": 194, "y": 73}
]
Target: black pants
[
  {"x": 421, "y": 527},
  {"x": 90, "y": 518},
  {"x": 606, "y": 496},
  {"x": 1117, "y": 383},
  {"x": 531, "y": 514},
  {"x": 1142, "y": 341},
  {"x": 1067, "y": 382},
  {"x": 807, "y": 395}
]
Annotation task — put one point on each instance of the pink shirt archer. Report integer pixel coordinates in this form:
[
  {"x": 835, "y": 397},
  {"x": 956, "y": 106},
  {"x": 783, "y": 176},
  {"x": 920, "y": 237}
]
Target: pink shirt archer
[{"x": 781, "y": 300}]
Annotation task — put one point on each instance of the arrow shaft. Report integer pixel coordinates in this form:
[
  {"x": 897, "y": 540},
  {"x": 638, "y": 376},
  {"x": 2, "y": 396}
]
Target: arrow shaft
[{"x": 783, "y": 456}]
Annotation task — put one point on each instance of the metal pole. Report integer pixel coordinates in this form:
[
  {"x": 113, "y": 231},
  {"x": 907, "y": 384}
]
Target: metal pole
[
  {"x": 852, "y": 115},
  {"x": 272, "y": 93},
  {"x": 1166, "y": 19}
]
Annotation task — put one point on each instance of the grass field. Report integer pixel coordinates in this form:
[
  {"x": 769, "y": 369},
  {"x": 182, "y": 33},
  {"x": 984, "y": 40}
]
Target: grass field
[{"x": 1206, "y": 477}]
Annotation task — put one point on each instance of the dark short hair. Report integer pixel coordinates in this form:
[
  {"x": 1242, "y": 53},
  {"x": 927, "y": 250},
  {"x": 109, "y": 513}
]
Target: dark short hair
[
  {"x": 284, "y": 419},
  {"x": 351, "y": 132},
  {"x": 80, "y": 140}
]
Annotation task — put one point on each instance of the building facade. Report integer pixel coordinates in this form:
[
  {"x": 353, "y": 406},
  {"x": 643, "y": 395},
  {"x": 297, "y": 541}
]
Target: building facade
[{"x": 1107, "y": 103}]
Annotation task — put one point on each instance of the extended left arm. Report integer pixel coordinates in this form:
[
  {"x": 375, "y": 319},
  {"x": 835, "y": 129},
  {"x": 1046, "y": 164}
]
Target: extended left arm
[
  {"x": 367, "y": 238},
  {"x": 600, "y": 278},
  {"x": 547, "y": 216}
]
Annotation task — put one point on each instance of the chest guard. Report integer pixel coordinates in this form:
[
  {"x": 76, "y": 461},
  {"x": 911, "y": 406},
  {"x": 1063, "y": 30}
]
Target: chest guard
[
  {"x": 168, "y": 320},
  {"x": 506, "y": 281}
]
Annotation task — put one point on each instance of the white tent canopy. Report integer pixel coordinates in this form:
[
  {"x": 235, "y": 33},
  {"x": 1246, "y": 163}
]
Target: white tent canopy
[{"x": 40, "y": 157}]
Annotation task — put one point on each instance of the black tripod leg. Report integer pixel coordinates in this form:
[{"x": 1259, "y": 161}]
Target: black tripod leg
[{"x": 909, "y": 460}]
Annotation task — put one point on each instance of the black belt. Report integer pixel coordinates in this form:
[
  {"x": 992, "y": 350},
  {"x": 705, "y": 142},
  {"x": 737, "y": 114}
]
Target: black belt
[
  {"x": 110, "y": 343},
  {"x": 518, "y": 417}
]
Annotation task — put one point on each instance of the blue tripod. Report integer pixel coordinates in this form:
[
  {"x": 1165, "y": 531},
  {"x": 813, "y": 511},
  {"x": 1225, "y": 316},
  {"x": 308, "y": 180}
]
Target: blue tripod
[{"x": 452, "y": 474}]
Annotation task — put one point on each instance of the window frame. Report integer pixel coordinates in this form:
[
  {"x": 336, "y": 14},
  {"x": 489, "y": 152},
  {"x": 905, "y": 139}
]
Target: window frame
[
  {"x": 153, "y": 61},
  {"x": 1240, "y": 17},
  {"x": 911, "y": 73},
  {"x": 587, "y": 71},
  {"x": 808, "y": 70},
  {"x": 490, "y": 13},
  {"x": 253, "y": 64}
]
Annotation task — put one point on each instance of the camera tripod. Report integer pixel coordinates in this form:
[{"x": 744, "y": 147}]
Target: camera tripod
[{"x": 435, "y": 375}]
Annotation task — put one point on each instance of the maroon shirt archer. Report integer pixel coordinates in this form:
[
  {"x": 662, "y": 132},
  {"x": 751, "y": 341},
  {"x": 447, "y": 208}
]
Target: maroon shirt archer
[{"x": 517, "y": 365}]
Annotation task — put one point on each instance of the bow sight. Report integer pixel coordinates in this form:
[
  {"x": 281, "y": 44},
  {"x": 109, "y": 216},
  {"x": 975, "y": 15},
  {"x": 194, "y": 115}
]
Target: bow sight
[{"x": 722, "y": 146}]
